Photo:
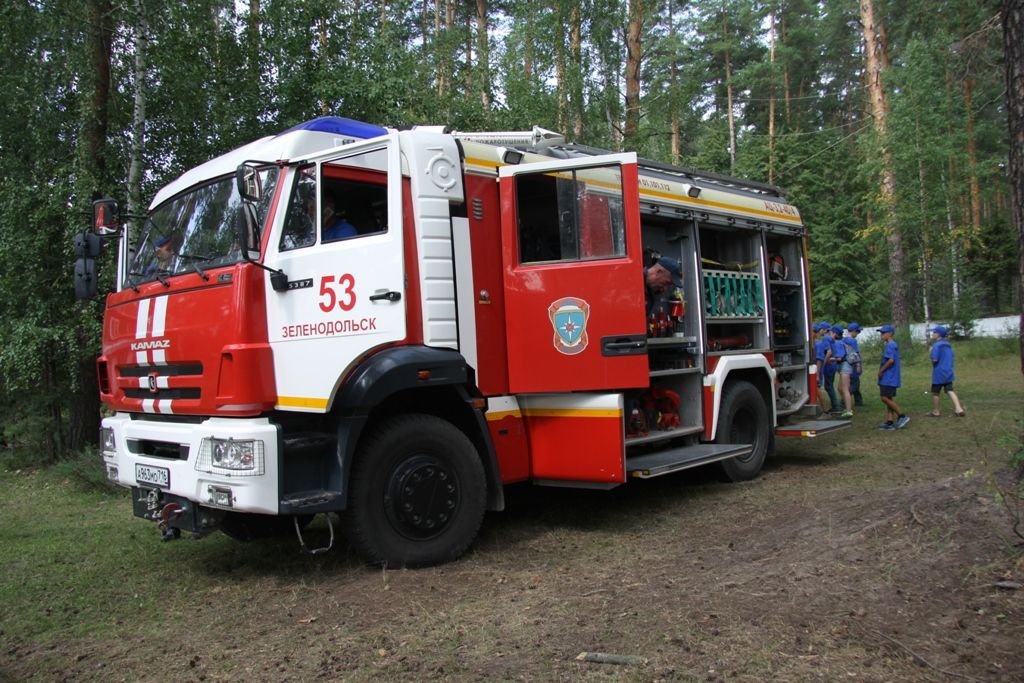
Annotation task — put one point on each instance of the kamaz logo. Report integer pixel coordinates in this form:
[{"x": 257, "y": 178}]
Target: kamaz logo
[{"x": 155, "y": 344}]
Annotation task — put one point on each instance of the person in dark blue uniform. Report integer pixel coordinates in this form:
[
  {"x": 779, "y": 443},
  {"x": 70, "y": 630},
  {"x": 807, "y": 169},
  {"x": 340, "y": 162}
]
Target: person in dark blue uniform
[
  {"x": 335, "y": 226},
  {"x": 659, "y": 278}
]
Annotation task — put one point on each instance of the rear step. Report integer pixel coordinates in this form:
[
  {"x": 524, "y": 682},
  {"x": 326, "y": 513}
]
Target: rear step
[
  {"x": 676, "y": 459},
  {"x": 812, "y": 428}
]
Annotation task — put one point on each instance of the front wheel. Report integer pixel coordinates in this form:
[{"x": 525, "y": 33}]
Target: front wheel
[
  {"x": 743, "y": 418},
  {"x": 417, "y": 493}
]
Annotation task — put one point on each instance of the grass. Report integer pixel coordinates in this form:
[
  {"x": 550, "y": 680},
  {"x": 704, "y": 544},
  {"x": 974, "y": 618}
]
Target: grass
[{"x": 75, "y": 563}]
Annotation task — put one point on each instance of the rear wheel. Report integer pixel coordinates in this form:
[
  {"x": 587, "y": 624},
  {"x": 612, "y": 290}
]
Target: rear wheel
[
  {"x": 743, "y": 418},
  {"x": 417, "y": 493}
]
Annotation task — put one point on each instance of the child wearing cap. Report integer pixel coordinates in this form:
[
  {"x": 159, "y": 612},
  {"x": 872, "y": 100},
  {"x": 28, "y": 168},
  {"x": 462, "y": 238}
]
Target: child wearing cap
[
  {"x": 942, "y": 372},
  {"x": 843, "y": 369},
  {"x": 889, "y": 380},
  {"x": 852, "y": 330},
  {"x": 823, "y": 356}
]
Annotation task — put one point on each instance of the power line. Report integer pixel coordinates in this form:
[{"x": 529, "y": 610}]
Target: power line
[
  {"x": 825, "y": 149},
  {"x": 795, "y": 133}
]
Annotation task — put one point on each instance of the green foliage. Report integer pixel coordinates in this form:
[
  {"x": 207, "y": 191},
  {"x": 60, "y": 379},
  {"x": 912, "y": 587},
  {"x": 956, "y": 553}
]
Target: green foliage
[{"x": 85, "y": 471}]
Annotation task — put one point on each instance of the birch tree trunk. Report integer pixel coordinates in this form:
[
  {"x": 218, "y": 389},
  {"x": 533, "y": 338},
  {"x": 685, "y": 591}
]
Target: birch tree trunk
[
  {"x": 925, "y": 252},
  {"x": 139, "y": 110},
  {"x": 673, "y": 105},
  {"x": 631, "y": 130},
  {"x": 728, "y": 96},
  {"x": 483, "y": 53},
  {"x": 563, "y": 89},
  {"x": 785, "y": 72},
  {"x": 576, "y": 60},
  {"x": 440, "y": 56},
  {"x": 771, "y": 100}
]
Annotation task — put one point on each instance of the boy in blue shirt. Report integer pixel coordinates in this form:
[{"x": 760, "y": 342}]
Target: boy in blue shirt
[
  {"x": 889, "y": 380},
  {"x": 853, "y": 329},
  {"x": 843, "y": 369},
  {"x": 942, "y": 372},
  {"x": 823, "y": 356}
]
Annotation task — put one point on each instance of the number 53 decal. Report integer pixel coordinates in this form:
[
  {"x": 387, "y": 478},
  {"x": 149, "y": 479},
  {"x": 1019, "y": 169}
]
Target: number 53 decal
[{"x": 340, "y": 294}]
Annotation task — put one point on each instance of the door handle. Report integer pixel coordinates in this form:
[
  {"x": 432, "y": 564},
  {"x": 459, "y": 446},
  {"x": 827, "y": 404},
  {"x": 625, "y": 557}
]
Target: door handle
[
  {"x": 386, "y": 296},
  {"x": 624, "y": 345}
]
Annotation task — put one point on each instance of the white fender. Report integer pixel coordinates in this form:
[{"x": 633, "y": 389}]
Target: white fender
[{"x": 726, "y": 364}]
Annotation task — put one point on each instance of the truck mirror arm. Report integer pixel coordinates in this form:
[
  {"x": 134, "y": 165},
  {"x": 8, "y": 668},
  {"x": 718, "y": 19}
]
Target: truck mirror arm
[{"x": 247, "y": 236}]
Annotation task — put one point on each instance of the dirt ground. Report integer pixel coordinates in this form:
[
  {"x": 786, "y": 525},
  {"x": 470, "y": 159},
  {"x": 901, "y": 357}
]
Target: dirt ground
[{"x": 863, "y": 567}]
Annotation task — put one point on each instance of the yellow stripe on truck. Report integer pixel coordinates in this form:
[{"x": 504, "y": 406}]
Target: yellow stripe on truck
[
  {"x": 301, "y": 402},
  {"x": 573, "y": 412},
  {"x": 645, "y": 192}
]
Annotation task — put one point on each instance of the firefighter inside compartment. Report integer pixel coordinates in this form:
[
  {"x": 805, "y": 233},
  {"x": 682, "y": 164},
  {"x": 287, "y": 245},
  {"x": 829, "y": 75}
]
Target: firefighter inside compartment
[{"x": 660, "y": 277}]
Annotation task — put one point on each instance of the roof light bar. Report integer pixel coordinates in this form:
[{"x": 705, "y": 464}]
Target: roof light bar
[{"x": 338, "y": 125}]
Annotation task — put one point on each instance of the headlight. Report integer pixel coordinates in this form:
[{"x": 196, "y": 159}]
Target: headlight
[
  {"x": 233, "y": 455},
  {"x": 107, "y": 444},
  {"x": 242, "y": 456}
]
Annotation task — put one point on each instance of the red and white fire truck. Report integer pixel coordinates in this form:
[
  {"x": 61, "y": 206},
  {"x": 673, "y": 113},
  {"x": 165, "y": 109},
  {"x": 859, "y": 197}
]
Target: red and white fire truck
[{"x": 393, "y": 325}]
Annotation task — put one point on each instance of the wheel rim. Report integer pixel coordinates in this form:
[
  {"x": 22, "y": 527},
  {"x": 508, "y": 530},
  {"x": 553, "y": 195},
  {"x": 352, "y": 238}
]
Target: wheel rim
[
  {"x": 421, "y": 498},
  {"x": 744, "y": 430}
]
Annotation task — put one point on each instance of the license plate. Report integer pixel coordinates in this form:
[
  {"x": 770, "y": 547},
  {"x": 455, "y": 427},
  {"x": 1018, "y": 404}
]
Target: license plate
[{"x": 147, "y": 475}]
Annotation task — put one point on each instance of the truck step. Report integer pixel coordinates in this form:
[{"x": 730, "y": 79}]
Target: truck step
[
  {"x": 676, "y": 459},
  {"x": 812, "y": 428},
  {"x": 308, "y": 442},
  {"x": 308, "y": 501}
]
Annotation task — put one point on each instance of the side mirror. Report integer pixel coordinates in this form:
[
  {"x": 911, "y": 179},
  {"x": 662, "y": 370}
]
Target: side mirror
[
  {"x": 87, "y": 245},
  {"x": 247, "y": 232},
  {"x": 85, "y": 279},
  {"x": 106, "y": 217},
  {"x": 247, "y": 178}
]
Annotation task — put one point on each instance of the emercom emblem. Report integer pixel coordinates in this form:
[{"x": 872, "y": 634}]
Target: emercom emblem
[{"x": 569, "y": 317}]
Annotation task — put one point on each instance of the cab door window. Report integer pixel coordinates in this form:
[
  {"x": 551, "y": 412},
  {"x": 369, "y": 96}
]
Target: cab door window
[
  {"x": 354, "y": 202},
  {"x": 347, "y": 202},
  {"x": 300, "y": 222},
  {"x": 571, "y": 215}
]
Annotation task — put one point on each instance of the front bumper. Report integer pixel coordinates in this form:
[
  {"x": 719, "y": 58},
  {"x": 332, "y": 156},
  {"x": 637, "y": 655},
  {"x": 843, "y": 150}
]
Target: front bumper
[{"x": 156, "y": 445}]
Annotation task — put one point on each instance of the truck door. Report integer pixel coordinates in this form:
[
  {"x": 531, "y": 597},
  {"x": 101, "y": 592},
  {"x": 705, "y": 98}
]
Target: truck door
[
  {"x": 573, "y": 275},
  {"x": 340, "y": 244}
]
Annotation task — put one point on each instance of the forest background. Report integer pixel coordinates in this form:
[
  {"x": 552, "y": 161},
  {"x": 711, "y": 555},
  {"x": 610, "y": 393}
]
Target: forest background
[{"x": 885, "y": 120}]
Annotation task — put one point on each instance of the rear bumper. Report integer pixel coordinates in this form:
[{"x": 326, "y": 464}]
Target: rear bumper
[{"x": 191, "y": 474}]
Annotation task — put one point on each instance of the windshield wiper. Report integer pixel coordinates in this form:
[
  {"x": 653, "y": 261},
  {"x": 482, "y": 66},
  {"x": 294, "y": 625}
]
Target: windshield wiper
[
  {"x": 192, "y": 258},
  {"x": 131, "y": 282},
  {"x": 158, "y": 274}
]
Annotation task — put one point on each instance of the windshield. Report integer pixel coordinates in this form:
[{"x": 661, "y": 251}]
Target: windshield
[{"x": 195, "y": 230}]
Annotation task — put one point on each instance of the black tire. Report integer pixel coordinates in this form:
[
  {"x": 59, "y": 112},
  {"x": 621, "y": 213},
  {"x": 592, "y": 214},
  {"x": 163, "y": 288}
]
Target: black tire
[
  {"x": 417, "y": 493},
  {"x": 248, "y": 526},
  {"x": 743, "y": 418}
]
